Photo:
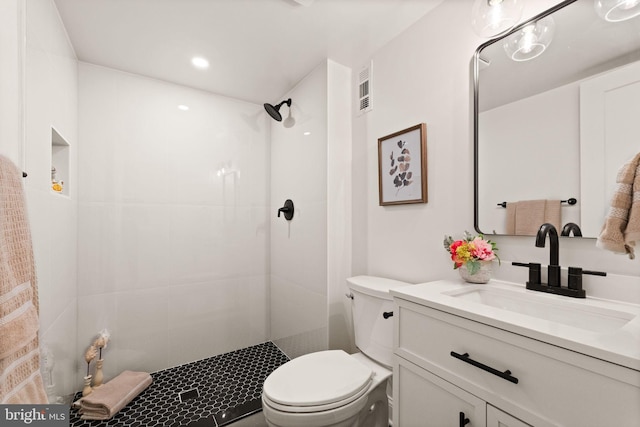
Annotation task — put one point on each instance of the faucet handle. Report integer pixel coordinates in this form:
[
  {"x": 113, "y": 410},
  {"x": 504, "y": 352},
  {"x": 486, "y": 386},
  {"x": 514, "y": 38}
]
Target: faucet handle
[
  {"x": 575, "y": 277},
  {"x": 594, "y": 273},
  {"x": 534, "y": 271}
]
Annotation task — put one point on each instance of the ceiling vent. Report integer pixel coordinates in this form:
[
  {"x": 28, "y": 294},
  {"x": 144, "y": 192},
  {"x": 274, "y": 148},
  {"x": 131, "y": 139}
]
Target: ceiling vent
[{"x": 364, "y": 89}]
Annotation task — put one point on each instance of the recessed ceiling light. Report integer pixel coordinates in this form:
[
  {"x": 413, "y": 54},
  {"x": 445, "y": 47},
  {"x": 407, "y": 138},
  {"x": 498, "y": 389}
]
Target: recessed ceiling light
[
  {"x": 183, "y": 107},
  {"x": 200, "y": 62},
  {"x": 307, "y": 133}
]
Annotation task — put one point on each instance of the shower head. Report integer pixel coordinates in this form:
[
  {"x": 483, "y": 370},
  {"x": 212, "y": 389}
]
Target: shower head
[{"x": 275, "y": 111}]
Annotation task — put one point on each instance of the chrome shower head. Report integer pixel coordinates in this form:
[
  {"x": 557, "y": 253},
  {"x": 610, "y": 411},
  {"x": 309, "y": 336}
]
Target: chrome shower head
[{"x": 275, "y": 111}]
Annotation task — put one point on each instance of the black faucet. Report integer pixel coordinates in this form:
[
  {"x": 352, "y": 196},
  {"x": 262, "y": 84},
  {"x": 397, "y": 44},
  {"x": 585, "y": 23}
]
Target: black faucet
[
  {"x": 569, "y": 228},
  {"x": 553, "y": 270},
  {"x": 574, "y": 287}
]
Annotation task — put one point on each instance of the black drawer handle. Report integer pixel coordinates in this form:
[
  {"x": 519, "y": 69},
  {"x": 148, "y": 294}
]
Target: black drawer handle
[
  {"x": 387, "y": 314},
  {"x": 463, "y": 420},
  {"x": 504, "y": 375}
]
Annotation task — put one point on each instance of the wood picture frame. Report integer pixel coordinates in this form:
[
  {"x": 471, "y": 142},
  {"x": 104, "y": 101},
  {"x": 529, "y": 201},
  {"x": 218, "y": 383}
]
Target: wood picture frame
[{"x": 402, "y": 166}]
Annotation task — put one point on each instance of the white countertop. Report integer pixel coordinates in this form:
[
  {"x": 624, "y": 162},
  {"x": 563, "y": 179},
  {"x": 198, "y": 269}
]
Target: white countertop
[{"x": 618, "y": 342}]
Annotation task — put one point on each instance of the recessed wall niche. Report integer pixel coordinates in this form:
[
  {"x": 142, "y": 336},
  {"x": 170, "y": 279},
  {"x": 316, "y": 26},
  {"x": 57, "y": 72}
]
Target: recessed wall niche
[{"x": 59, "y": 163}]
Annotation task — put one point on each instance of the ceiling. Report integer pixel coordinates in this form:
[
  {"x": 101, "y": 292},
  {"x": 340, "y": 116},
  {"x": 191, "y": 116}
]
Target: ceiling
[{"x": 257, "y": 49}]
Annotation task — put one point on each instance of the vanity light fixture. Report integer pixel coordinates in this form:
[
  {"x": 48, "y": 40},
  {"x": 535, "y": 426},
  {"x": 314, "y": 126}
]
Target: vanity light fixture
[
  {"x": 493, "y": 17},
  {"x": 200, "y": 62},
  {"x": 530, "y": 41},
  {"x": 617, "y": 10}
]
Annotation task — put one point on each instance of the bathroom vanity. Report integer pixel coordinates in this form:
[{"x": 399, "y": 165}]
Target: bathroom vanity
[{"x": 501, "y": 355}]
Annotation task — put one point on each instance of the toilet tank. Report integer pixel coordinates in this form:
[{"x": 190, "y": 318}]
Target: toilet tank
[{"x": 371, "y": 300}]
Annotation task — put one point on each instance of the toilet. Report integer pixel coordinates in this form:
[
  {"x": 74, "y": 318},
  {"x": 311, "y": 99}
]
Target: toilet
[{"x": 334, "y": 388}]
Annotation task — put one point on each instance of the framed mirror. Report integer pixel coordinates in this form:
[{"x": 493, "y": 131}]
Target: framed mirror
[{"x": 556, "y": 114}]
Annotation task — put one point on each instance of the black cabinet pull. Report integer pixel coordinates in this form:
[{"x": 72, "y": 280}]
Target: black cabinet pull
[
  {"x": 387, "y": 314},
  {"x": 463, "y": 420},
  {"x": 504, "y": 375}
]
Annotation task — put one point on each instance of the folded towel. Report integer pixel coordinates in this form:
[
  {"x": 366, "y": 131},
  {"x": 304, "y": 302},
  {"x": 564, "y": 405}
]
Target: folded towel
[
  {"x": 105, "y": 401},
  {"x": 525, "y": 217},
  {"x": 20, "y": 379},
  {"x": 621, "y": 229}
]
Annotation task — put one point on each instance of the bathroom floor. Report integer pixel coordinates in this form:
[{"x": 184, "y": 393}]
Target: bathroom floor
[{"x": 215, "y": 392}]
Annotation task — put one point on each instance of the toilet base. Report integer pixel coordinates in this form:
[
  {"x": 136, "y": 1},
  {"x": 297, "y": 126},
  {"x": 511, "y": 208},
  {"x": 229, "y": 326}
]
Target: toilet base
[{"x": 376, "y": 411}]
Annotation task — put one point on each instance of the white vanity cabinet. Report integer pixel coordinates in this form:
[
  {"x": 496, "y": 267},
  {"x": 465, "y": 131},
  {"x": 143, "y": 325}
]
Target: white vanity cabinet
[{"x": 447, "y": 364}]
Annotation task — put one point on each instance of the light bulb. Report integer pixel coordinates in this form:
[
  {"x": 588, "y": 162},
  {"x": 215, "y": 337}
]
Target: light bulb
[
  {"x": 530, "y": 41},
  {"x": 493, "y": 17},
  {"x": 617, "y": 10}
]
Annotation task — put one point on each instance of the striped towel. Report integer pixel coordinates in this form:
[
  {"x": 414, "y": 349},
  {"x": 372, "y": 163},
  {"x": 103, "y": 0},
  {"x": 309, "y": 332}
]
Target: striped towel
[
  {"x": 20, "y": 379},
  {"x": 621, "y": 229}
]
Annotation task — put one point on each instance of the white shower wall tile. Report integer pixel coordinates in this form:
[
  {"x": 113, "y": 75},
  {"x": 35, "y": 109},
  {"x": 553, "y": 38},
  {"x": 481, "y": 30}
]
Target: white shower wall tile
[
  {"x": 141, "y": 332},
  {"x": 39, "y": 91},
  {"x": 156, "y": 219},
  {"x": 97, "y": 248},
  {"x": 215, "y": 317},
  {"x": 169, "y": 155},
  {"x": 59, "y": 337},
  {"x": 296, "y": 310},
  {"x": 143, "y": 246},
  {"x": 63, "y": 271},
  {"x": 123, "y": 247},
  {"x": 97, "y": 175},
  {"x": 299, "y": 247},
  {"x": 158, "y": 245}
]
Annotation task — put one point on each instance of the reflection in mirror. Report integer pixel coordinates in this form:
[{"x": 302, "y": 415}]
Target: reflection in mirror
[{"x": 557, "y": 125}]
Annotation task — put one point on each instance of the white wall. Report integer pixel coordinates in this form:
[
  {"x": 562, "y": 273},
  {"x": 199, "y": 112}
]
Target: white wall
[
  {"x": 51, "y": 101},
  {"x": 11, "y": 78},
  {"x": 173, "y": 230},
  {"x": 308, "y": 262},
  {"x": 424, "y": 75}
]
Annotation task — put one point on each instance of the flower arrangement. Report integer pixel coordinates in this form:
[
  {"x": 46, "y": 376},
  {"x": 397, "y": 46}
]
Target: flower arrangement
[{"x": 470, "y": 251}]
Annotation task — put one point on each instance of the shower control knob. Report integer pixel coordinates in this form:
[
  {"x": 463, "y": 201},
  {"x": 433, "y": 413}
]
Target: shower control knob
[{"x": 287, "y": 210}]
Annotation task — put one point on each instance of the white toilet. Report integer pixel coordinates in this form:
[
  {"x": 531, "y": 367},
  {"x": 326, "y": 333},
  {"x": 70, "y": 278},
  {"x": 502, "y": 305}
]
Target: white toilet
[{"x": 333, "y": 388}]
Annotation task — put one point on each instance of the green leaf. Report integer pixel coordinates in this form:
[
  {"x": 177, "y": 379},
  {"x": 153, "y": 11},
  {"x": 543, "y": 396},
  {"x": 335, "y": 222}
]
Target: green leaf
[{"x": 473, "y": 266}]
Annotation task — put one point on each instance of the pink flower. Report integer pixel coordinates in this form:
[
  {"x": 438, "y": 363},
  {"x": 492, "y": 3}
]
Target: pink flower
[{"x": 482, "y": 250}]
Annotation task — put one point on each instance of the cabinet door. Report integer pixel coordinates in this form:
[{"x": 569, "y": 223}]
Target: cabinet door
[
  {"x": 425, "y": 400},
  {"x": 497, "y": 418}
]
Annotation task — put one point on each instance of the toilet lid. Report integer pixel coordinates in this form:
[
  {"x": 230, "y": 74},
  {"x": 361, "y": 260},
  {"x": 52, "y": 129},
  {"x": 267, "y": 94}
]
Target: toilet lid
[{"x": 317, "y": 379}]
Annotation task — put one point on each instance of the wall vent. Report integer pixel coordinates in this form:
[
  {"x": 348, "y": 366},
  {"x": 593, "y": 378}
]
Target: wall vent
[{"x": 364, "y": 89}]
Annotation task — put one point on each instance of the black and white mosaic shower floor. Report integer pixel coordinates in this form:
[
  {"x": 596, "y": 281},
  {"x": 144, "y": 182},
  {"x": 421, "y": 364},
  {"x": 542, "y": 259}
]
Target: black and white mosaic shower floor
[{"x": 227, "y": 388}]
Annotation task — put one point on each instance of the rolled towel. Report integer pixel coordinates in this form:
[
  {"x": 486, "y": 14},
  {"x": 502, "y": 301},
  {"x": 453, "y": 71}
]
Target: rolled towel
[{"x": 104, "y": 402}]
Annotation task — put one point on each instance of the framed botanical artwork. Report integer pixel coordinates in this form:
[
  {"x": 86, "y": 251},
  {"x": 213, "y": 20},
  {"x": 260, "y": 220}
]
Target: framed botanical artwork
[{"x": 402, "y": 166}]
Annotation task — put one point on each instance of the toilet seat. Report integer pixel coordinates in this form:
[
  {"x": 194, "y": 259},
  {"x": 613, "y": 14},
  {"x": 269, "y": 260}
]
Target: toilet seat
[{"x": 317, "y": 382}]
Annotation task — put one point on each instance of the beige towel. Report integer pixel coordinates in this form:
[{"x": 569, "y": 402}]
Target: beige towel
[
  {"x": 621, "y": 229},
  {"x": 105, "y": 401},
  {"x": 525, "y": 217},
  {"x": 20, "y": 379}
]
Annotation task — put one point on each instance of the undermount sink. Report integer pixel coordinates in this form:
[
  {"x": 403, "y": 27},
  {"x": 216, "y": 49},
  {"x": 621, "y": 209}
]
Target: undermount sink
[{"x": 588, "y": 317}]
